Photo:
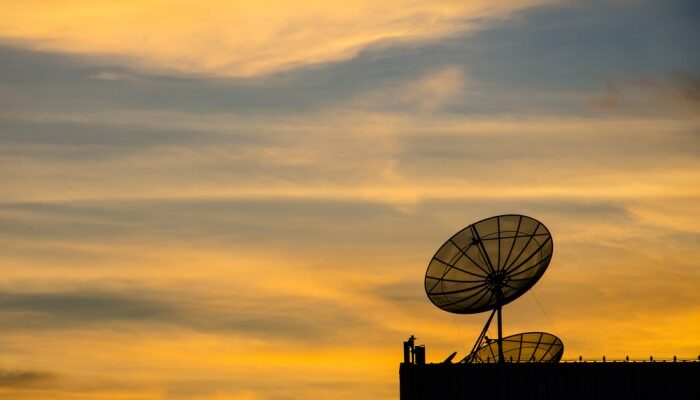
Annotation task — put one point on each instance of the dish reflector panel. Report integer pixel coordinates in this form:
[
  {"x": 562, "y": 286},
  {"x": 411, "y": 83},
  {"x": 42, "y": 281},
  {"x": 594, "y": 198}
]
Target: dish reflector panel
[
  {"x": 537, "y": 347},
  {"x": 488, "y": 264}
]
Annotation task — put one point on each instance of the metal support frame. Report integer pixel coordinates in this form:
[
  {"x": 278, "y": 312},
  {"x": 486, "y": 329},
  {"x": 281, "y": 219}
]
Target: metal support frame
[
  {"x": 501, "y": 359},
  {"x": 469, "y": 358},
  {"x": 499, "y": 297}
]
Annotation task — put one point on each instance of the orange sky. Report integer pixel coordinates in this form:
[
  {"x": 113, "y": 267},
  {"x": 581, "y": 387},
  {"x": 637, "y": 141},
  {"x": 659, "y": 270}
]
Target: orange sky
[{"x": 238, "y": 200}]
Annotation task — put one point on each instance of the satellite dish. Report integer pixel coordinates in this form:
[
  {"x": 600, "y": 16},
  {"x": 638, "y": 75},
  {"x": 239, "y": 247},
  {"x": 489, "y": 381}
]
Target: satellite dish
[
  {"x": 526, "y": 347},
  {"x": 488, "y": 264}
]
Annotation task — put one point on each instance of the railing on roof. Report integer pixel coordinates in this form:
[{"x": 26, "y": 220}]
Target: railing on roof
[{"x": 605, "y": 359}]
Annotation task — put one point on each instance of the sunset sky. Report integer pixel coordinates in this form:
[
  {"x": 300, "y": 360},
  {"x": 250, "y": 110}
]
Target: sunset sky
[{"x": 237, "y": 200}]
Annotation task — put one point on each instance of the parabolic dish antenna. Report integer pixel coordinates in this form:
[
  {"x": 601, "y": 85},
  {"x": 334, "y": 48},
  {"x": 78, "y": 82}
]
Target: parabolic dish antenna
[
  {"x": 488, "y": 264},
  {"x": 539, "y": 347}
]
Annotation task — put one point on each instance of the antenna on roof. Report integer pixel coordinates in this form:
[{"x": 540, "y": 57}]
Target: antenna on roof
[{"x": 487, "y": 265}]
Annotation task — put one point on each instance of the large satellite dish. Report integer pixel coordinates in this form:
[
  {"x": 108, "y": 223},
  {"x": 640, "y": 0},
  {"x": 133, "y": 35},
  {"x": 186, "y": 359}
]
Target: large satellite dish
[
  {"x": 487, "y": 265},
  {"x": 522, "y": 348}
]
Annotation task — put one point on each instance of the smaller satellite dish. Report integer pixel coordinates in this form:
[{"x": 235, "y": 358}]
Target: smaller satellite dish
[{"x": 529, "y": 347}]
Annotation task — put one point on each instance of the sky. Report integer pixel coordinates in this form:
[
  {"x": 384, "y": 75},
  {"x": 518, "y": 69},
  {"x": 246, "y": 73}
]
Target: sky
[{"x": 238, "y": 200}]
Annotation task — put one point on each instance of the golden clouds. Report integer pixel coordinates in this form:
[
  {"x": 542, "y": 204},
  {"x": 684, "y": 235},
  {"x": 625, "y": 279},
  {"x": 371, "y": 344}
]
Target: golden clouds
[
  {"x": 233, "y": 38},
  {"x": 406, "y": 158},
  {"x": 200, "y": 238}
]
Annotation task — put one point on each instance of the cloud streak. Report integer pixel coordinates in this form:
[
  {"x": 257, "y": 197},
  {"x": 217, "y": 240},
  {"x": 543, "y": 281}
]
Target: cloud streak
[
  {"x": 24, "y": 379},
  {"x": 265, "y": 315},
  {"x": 190, "y": 38}
]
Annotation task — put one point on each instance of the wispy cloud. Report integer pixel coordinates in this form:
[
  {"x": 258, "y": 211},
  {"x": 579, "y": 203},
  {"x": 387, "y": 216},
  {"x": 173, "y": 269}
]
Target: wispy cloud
[
  {"x": 238, "y": 38},
  {"x": 24, "y": 379},
  {"x": 265, "y": 315},
  {"x": 675, "y": 94},
  {"x": 428, "y": 93}
]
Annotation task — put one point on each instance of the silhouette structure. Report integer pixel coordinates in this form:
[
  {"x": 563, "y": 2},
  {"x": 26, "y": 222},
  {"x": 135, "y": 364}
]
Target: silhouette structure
[
  {"x": 538, "y": 381},
  {"x": 487, "y": 265},
  {"x": 484, "y": 267}
]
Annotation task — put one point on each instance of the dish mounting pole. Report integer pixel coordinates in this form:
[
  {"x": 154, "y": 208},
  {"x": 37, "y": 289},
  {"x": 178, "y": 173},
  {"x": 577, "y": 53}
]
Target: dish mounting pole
[
  {"x": 501, "y": 359},
  {"x": 499, "y": 295}
]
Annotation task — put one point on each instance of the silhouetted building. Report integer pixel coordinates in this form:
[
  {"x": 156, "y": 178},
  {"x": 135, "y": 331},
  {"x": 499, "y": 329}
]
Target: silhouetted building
[{"x": 567, "y": 380}]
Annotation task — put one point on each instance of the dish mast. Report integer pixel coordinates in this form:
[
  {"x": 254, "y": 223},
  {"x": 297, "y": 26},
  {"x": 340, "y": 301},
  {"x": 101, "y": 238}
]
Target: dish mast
[{"x": 485, "y": 266}]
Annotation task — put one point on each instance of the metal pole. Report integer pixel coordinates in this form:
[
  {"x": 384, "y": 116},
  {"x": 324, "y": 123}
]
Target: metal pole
[
  {"x": 471, "y": 354},
  {"x": 501, "y": 359}
]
